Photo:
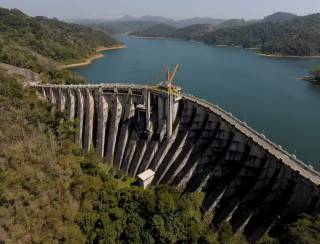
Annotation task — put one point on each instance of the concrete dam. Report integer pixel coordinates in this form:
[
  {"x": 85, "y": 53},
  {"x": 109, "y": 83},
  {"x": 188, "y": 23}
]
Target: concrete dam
[{"x": 193, "y": 145}]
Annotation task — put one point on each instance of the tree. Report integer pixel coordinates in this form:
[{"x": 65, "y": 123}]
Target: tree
[{"x": 316, "y": 73}]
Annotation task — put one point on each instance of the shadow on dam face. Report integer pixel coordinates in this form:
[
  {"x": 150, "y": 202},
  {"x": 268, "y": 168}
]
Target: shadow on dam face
[{"x": 193, "y": 145}]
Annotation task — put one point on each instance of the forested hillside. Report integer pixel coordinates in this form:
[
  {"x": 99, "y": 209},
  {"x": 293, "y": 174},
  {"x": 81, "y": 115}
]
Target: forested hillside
[
  {"x": 278, "y": 34},
  {"x": 297, "y": 37},
  {"x": 43, "y": 44},
  {"x": 51, "y": 38},
  {"x": 279, "y": 17},
  {"x": 124, "y": 26}
]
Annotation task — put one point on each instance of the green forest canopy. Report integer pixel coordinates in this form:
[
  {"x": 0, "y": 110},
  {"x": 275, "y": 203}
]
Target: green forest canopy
[
  {"x": 296, "y": 36},
  {"x": 51, "y": 38},
  {"x": 41, "y": 44}
]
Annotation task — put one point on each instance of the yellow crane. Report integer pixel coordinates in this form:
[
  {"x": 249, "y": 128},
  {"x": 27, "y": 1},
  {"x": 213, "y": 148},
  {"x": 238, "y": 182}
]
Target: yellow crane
[{"x": 167, "y": 85}]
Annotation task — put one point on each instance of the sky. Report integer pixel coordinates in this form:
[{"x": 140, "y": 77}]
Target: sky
[{"x": 176, "y": 9}]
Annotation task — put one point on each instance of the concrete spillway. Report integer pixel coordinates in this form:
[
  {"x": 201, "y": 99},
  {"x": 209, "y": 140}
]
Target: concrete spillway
[{"x": 194, "y": 145}]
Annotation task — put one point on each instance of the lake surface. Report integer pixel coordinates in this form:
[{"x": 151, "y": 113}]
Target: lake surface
[{"x": 264, "y": 92}]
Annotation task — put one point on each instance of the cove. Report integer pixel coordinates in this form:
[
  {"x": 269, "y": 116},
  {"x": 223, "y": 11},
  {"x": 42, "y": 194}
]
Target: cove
[{"x": 264, "y": 92}]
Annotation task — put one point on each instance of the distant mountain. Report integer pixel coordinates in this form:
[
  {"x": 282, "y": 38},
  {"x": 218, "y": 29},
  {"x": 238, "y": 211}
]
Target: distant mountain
[
  {"x": 193, "y": 32},
  {"x": 197, "y": 21},
  {"x": 159, "y": 30},
  {"x": 175, "y": 23},
  {"x": 158, "y": 19},
  {"x": 232, "y": 23},
  {"x": 128, "y": 23},
  {"x": 124, "y": 26},
  {"x": 127, "y": 18},
  {"x": 279, "y": 17}
]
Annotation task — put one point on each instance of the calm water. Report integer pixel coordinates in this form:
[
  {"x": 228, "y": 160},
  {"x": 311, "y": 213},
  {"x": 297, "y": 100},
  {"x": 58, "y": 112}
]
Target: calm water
[{"x": 264, "y": 92}]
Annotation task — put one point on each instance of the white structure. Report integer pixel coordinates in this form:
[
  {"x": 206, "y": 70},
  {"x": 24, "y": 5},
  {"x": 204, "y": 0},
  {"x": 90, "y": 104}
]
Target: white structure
[{"x": 146, "y": 178}]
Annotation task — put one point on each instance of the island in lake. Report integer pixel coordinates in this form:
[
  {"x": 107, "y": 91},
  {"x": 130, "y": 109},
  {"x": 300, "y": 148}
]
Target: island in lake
[{"x": 314, "y": 76}]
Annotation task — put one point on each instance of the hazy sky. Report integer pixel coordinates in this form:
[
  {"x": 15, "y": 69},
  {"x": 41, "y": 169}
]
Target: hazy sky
[{"x": 177, "y": 9}]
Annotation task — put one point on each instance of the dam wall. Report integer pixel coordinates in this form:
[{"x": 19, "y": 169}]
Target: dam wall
[{"x": 193, "y": 145}]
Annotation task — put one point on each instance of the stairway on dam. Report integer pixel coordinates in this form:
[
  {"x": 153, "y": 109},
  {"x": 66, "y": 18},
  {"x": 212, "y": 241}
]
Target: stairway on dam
[{"x": 193, "y": 145}]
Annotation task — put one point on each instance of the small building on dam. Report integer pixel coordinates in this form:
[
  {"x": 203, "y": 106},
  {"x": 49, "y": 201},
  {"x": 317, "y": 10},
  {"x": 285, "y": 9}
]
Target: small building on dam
[{"x": 193, "y": 145}]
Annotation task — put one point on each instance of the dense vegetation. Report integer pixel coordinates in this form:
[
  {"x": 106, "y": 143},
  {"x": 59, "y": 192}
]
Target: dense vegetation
[
  {"x": 279, "y": 34},
  {"x": 51, "y": 38},
  {"x": 124, "y": 26},
  {"x": 297, "y": 37},
  {"x": 316, "y": 73},
  {"x": 40, "y": 44},
  {"x": 279, "y": 17}
]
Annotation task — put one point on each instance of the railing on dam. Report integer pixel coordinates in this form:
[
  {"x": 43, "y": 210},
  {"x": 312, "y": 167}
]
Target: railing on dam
[{"x": 261, "y": 140}]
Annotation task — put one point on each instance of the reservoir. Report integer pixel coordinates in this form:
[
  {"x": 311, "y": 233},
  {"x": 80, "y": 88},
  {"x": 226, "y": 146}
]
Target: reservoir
[{"x": 262, "y": 91}]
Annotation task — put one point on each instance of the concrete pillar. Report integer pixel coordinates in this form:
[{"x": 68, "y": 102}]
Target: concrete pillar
[
  {"x": 174, "y": 151},
  {"x": 114, "y": 125},
  {"x": 62, "y": 100},
  {"x": 43, "y": 93},
  {"x": 169, "y": 106},
  {"x": 129, "y": 156},
  {"x": 124, "y": 131},
  {"x": 152, "y": 148},
  {"x": 79, "y": 116},
  {"x": 161, "y": 107},
  {"x": 89, "y": 110},
  {"x": 148, "y": 107},
  {"x": 163, "y": 150},
  {"x": 182, "y": 163},
  {"x": 71, "y": 105},
  {"x": 102, "y": 122},
  {"x": 53, "y": 99},
  {"x": 175, "y": 107},
  {"x": 216, "y": 201},
  {"x": 183, "y": 180}
]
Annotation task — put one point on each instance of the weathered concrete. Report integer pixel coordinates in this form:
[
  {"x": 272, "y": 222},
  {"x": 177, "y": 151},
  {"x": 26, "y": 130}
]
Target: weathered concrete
[
  {"x": 79, "y": 116},
  {"x": 71, "y": 105},
  {"x": 195, "y": 146},
  {"x": 115, "y": 120},
  {"x": 102, "y": 123},
  {"x": 61, "y": 100},
  {"x": 88, "y": 128}
]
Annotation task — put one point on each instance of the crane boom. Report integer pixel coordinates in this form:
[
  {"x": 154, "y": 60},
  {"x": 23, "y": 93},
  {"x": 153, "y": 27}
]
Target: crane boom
[{"x": 173, "y": 73}]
